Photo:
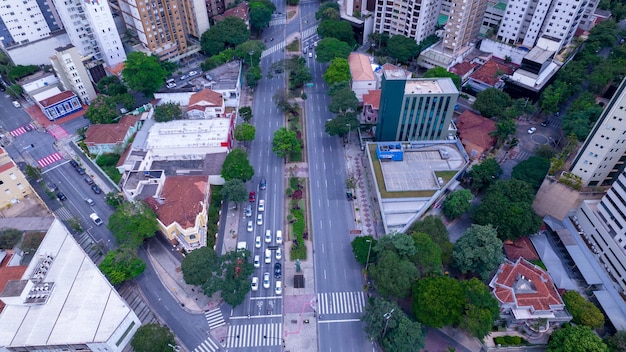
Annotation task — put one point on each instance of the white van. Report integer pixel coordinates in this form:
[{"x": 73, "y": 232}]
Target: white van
[
  {"x": 279, "y": 237},
  {"x": 96, "y": 219}
]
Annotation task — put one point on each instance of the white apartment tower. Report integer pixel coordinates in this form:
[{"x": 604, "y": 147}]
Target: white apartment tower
[
  {"x": 526, "y": 21},
  {"x": 415, "y": 19},
  {"x": 70, "y": 69},
  {"x": 90, "y": 26},
  {"x": 465, "y": 19},
  {"x": 24, "y": 21},
  {"x": 601, "y": 158}
]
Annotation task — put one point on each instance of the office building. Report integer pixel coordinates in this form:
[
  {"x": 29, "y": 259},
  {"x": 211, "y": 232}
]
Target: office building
[
  {"x": 63, "y": 303},
  {"x": 413, "y": 19},
  {"x": 415, "y": 109},
  {"x": 526, "y": 23},
  {"x": 13, "y": 185},
  {"x": 69, "y": 67},
  {"x": 24, "y": 21},
  {"x": 601, "y": 158},
  {"x": 466, "y": 17},
  {"x": 163, "y": 26}
]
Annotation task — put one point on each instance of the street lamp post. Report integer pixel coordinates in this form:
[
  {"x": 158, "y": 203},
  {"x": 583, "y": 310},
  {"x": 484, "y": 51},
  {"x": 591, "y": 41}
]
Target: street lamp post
[
  {"x": 367, "y": 263},
  {"x": 387, "y": 316},
  {"x": 251, "y": 53}
]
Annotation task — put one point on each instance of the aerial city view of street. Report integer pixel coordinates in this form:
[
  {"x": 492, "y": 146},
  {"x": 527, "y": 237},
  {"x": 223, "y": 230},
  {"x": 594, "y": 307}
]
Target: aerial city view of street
[{"x": 313, "y": 175}]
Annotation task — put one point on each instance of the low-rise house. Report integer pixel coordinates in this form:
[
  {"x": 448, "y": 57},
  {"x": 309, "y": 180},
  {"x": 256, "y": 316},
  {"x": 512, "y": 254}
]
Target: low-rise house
[
  {"x": 489, "y": 76},
  {"x": 205, "y": 104},
  {"x": 464, "y": 70},
  {"x": 240, "y": 11},
  {"x": 371, "y": 105},
  {"x": 111, "y": 138},
  {"x": 526, "y": 293},
  {"x": 56, "y": 104},
  {"x": 363, "y": 79},
  {"x": 474, "y": 131}
]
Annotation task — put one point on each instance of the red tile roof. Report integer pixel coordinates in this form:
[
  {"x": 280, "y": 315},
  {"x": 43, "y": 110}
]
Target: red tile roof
[
  {"x": 57, "y": 98},
  {"x": 7, "y": 166},
  {"x": 372, "y": 98},
  {"x": 183, "y": 200},
  {"x": 240, "y": 11},
  {"x": 523, "y": 284},
  {"x": 520, "y": 248},
  {"x": 360, "y": 67},
  {"x": 474, "y": 132},
  {"x": 462, "y": 68},
  {"x": 117, "y": 69},
  {"x": 8, "y": 273},
  {"x": 204, "y": 98},
  {"x": 491, "y": 71},
  {"x": 111, "y": 133}
]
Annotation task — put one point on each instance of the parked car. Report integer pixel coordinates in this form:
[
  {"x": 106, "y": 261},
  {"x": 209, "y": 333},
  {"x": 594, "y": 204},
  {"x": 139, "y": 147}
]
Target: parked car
[
  {"x": 16, "y": 104},
  {"x": 183, "y": 77},
  {"x": 74, "y": 163},
  {"x": 88, "y": 180},
  {"x": 532, "y": 130},
  {"x": 278, "y": 270},
  {"x": 249, "y": 211},
  {"x": 266, "y": 280},
  {"x": 52, "y": 187},
  {"x": 80, "y": 170},
  {"x": 279, "y": 288},
  {"x": 192, "y": 73},
  {"x": 61, "y": 196},
  {"x": 252, "y": 197},
  {"x": 96, "y": 219},
  {"x": 255, "y": 283},
  {"x": 545, "y": 123},
  {"x": 90, "y": 201},
  {"x": 96, "y": 189}
]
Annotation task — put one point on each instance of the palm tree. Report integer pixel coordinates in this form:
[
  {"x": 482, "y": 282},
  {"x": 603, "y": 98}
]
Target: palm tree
[{"x": 504, "y": 129}]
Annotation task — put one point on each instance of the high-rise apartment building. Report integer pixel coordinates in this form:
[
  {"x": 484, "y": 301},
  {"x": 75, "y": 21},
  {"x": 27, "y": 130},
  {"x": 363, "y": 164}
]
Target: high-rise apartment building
[
  {"x": 601, "y": 158},
  {"x": 24, "y": 21},
  {"x": 217, "y": 7},
  {"x": 415, "y": 19},
  {"x": 415, "y": 109},
  {"x": 526, "y": 21},
  {"x": 464, "y": 23},
  {"x": 70, "y": 69},
  {"x": 163, "y": 26}
]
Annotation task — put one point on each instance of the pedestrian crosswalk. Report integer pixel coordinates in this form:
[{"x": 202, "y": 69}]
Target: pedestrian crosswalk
[
  {"x": 309, "y": 32},
  {"x": 50, "y": 159},
  {"x": 277, "y": 21},
  {"x": 57, "y": 132},
  {"x": 340, "y": 302},
  {"x": 21, "y": 130},
  {"x": 207, "y": 345},
  {"x": 254, "y": 335},
  {"x": 214, "y": 318},
  {"x": 521, "y": 156},
  {"x": 63, "y": 214},
  {"x": 275, "y": 48}
]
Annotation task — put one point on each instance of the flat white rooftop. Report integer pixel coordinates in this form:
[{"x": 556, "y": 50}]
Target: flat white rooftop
[{"x": 188, "y": 134}]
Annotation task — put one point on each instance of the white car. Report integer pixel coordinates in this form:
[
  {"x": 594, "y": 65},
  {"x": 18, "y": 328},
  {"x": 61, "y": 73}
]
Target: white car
[
  {"x": 257, "y": 241},
  {"x": 257, "y": 261},
  {"x": 279, "y": 253},
  {"x": 16, "y": 104},
  {"x": 255, "y": 283},
  {"x": 279, "y": 237},
  {"x": 250, "y": 228},
  {"x": 268, "y": 256},
  {"x": 268, "y": 236},
  {"x": 259, "y": 219},
  {"x": 261, "y": 204},
  {"x": 279, "y": 288},
  {"x": 266, "y": 280},
  {"x": 192, "y": 73},
  {"x": 532, "y": 130}
]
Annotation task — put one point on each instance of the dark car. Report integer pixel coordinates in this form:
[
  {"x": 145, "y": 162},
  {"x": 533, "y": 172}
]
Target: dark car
[
  {"x": 28, "y": 127},
  {"x": 73, "y": 163},
  {"x": 263, "y": 184},
  {"x": 545, "y": 123},
  {"x": 96, "y": 189},
  {"x": 252, "y": 197},
  {"x": 278, "y": 270},
  {"x": 61, "y": 196},
  {"x": 88, "y": 180},
  {"x": 52, "y": 186},
  {"x": 80, "y": 170}
]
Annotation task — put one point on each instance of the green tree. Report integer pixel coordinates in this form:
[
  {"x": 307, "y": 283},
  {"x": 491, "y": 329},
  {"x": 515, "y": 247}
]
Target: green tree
[
  {"x": 485, "y": 174},
  {"x": 298, "y": 72},
  {"x": 218, "y": 59},
  {"x": 337, "y": 71},
  {"x": 583, "y": 312},
  {"x": 15, "y": 90},
  {"x": 330, "y": 48},
  {"x": 341, "y": 30},
  {"x": 361, "y": 248},
  {"x": 102, "y": 110},
  {"x": 400, "y": 334},
  {"x": 132, "y": 223},
  {"x": 393, "y": 275},
  {"x": 143, "y": 73},
  {"x": 121, "y": 265},
  {"x": 507, "y": 206},
  {"x": 576, "y": 339},
  {"x": 285, "y": 142},
  {"x": 323, "y": 13},
  {"x": 478, "y": 251},
  {"x": 20, "y": 71},
  {"x": 9, "y": 238},
  {"x": 491, "y": 102},
  {"x": 168, "y": 66},
  {"x": 435, "y": 228},
  {"x": 225, "y": 34},
  {"x": 343, "y": 100},
  {"x": 457, "y": 203},
  {"x": 253, "y": 76},
  {"x": 428, "y": 254},
  {"x": 402, "y": 48},
  {"x": 579, "y": 123},
  {"x": 246, "y": 113},
  {"x": 235, "y": 191},
  {"x": 237, "y": 166},
  {"x": 505, "y": 128},
  {"x": 250, "y": 50},
  {"x": 400, "y": 243},
  {"x": 617, "y": 341},
  {"x": 341, "y": 125},
  {"x": 438, "y": 301},
  {"x": 127, "y": 100},
  {"x": 245, "y": 132},
  {"x": 198, "y": 265},
  {"x": 438, "y": 72},
  {"x": 153, "y": 337},
  {"x": 259, "y": 15},
  {"x": 111, "y": 86},
  {"x": 168, "y": 112},
  {"x": 232, "y": 278},
  {"x": 114, "y": 199},
  {"x": 532, "y": 170},
  {"x": 481, "y": 308}
]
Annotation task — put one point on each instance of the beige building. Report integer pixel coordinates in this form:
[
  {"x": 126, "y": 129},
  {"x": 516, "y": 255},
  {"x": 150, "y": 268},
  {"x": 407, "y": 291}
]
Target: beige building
[
  {"x": 14, "y": 186},
  {"x": 68, "y": 65},
  {"x": 163, "y": 27},
  {"x": 464, "y": 23},
  {"x": 413, "y": 19}
]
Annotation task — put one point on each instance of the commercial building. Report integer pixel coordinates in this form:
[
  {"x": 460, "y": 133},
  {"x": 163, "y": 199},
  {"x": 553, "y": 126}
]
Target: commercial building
[
  {"x": 415, "y": 109},
  {"x": 413, "y": 19},
  {"x": 68, "y": 65},
  {"x": 63, "y": 302},
  {"x": 13, "y": 184},
  {"x": 601, "y": 158}
]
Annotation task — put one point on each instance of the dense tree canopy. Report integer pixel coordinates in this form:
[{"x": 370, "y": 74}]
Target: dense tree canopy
[
  {"x": 330, "y": 48},
  {"x": 401, "y": 334},
  {"x": 342, "y": 99},
  {"x": 435, "y": 228},
  {"x": 231, "y": 278},
  {"x": 153, "y": 337},
  {"x": 341, "y": 30},
  {"x": 485, "y": 174},
  {"x": 338, "y": 71},
  {"x": 245, "y": 132},
  {"x": 361, "y": 248},
  {"x": 299, "y": 72},
  {"x": 402, "y": 48},
  {"x": 505, "y": 129},
  {"x": 438, "y": 301},
  {"x": 323, "y": 13},
  {"x": 427, "y": 256},
  {"x": 246, "y": 113},
  {"x": 617, "y": 341},
  {"x": 491, "y": 102},
  {"x": 9, "y": 238},
  {"x": 143, "y": 73},
  {"x": 481, "y": 308},
  {"x": 579, "y": 123},
  {"x": 532, "y": 170},
  {"x": 478, "y": 251},
  {"x": 457, "y": 203},
  {"x": 198, "y": 265},
  {"x": 227, "y": 33},
  {"x": 168, "y": 112},
  {"x": 285, "y": 142},
  {"x": 235, "y": 191},
  {"x": 250, "y": 50},
  {"x": 576, "y": 339},
  {"x": 122, "y": 264},
  {"x": 341, "y": 125},
  {"x": 111, "y": 86},
  {"x": 438, "y": 72},
  {"x": 583, "y": 312},
  {"x": 393, "y": 274},
  {"x": 237, "y": 166},
  {"x": 131, "y": 223},
  {"x": 260, "y": 15},
  {"x": 102, "y": 110}
]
